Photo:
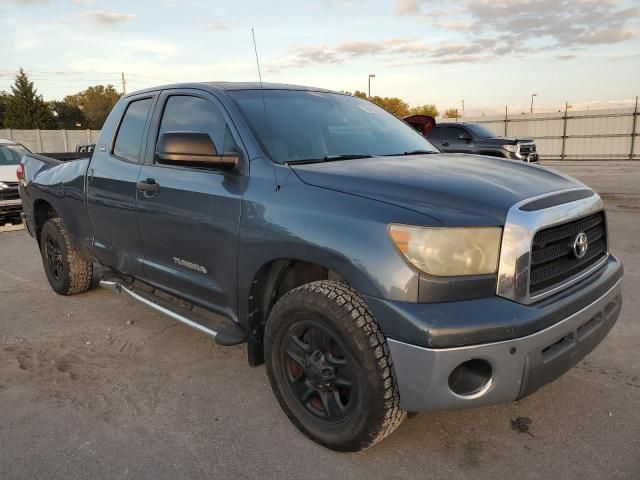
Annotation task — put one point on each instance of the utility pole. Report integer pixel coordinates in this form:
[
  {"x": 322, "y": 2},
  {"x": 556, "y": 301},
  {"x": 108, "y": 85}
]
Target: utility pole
[
  {"x": 371, "y": 75},
  {"x": 506, "y": 120},
  {"x": 564, "y": 130},
  {"x": 124, "y": 83},
  {"x": 463, "y": 107},
  {"x": 532, "y": 95},
  {"x": 634, "y": 130}
]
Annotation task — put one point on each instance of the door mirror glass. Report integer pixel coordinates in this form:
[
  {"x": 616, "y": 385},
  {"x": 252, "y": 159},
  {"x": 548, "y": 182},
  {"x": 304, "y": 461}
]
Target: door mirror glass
[{"x": 193, "y": 149}]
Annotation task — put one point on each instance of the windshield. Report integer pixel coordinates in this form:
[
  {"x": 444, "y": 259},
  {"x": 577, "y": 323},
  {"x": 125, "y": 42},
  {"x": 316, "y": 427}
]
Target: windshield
[
  {"x": 480, "y": 131},
  {"x": 304, "y": 125},
  {"x": 11, "y": 154}
]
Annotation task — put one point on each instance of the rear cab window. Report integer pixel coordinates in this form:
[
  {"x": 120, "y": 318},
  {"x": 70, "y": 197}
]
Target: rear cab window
[{"x": 131, "y": 131}]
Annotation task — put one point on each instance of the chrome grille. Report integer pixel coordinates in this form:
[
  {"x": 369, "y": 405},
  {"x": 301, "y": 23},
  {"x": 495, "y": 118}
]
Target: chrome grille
[
  {"x": 527, "y": 148},
  {"x": 552, "y": 251}
]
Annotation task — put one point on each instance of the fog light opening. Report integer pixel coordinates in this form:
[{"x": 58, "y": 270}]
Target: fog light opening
[{"x": 470, "y": 377}]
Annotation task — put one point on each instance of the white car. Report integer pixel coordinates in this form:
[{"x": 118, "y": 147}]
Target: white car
[{"x": 10, "y": 155}]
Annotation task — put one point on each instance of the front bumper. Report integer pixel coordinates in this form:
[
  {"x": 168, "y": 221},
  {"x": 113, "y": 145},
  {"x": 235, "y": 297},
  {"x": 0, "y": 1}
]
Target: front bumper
[
  {"x": 525, "y": 157},
  {"x": 518, "y": 366},
  {"x": 10, "y": 208}
]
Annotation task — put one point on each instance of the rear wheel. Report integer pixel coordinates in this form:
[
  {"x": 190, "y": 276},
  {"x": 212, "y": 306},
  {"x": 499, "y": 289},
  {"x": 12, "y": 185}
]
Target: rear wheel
[
  {"x": 67, "y": 272},
  {"x": 330, "y": 368}
]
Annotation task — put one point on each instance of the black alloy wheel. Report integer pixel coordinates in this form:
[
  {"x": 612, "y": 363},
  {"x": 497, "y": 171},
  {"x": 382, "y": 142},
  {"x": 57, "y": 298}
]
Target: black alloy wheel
[
  {"x": 54, "y": 258},
  {"x": 319, "y": 372}
]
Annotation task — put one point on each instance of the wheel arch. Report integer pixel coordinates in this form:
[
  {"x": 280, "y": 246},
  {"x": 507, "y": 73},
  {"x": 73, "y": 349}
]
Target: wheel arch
[
  {"x": 42, "y": 211},
  {"x": 270, "y": 282}
]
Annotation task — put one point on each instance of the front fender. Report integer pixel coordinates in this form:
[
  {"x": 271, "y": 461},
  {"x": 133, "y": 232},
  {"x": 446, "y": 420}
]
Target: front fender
[{"x": 341, "y": 232}]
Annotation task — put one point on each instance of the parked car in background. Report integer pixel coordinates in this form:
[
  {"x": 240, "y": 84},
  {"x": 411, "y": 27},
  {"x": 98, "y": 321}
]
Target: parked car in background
[
  {"x": 474, "y": 138},
  {"x": 10, "y": 155}
]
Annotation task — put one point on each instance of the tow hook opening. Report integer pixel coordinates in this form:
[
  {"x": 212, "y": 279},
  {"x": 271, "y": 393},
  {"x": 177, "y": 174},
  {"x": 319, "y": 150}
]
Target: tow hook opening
[{"x": 470, "y": 377}]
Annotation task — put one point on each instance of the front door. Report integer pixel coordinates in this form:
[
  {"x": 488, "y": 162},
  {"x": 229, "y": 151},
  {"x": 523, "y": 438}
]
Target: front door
[
  {"x": 189, "y": 225},
  {"x": 111, "y": 186},
  {"x": 458, "y": 140}
]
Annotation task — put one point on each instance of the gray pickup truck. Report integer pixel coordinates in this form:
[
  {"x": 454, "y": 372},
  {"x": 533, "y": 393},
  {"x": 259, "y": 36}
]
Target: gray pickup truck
[
  {"x": 461, "y": 137},
  {"x": 372, "y": 274}
]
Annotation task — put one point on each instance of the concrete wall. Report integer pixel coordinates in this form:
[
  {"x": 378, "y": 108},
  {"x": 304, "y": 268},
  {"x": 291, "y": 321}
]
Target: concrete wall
[
  {"x": 583, "y": 135},
  {"x": 49, "y": 141}
]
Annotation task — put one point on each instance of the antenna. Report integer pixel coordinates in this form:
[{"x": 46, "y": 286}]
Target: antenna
[
  {"x": 255, "y": 49},
  {"x": 264, "y": 103}
]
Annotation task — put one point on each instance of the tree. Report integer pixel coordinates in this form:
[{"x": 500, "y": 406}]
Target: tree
[
  {"x": 95, "y": 103},
  {"x": 451, "y": 113},
  {"x": 397, "y": 106},
  {"x": 67, "y": 115},
  {"x": 25, "y": 108},
  {"x": 393, "y": 105},
  {"x": 428, "y": 109},
  {"x": 4, "y": 98}
]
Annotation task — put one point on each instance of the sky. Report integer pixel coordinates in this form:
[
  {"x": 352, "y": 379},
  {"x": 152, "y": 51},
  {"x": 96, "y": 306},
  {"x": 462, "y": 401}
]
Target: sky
[{"x": 487, "y": 53}]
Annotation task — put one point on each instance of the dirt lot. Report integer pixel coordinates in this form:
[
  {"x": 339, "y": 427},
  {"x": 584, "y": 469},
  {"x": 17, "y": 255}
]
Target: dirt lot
[{"x": 97, "y": 386}]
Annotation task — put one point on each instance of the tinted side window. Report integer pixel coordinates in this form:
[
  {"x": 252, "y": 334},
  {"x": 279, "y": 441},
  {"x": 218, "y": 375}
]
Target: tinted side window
[
  {"x": 451, "y": 133},
  {"x": 193, "y": 114},
  {"x": 129, "y": 138},
  {"x": 436, "y": 133}
]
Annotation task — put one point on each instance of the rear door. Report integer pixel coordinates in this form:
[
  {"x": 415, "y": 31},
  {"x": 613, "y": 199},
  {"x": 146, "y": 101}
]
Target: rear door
[
  {"x": 111, "y": 185},
  {"x": 189, "y": 227}
]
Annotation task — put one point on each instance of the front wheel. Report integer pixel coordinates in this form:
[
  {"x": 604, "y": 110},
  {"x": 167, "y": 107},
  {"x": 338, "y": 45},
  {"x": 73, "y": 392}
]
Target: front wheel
[
  {"x": 330, "y": 367},
  {"x": 68, "y": 273}
]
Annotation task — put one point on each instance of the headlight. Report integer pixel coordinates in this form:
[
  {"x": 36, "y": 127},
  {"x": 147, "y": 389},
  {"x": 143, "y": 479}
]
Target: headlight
[
  {"x": 3, "y": 186},
  {"x": 446, "y": 251},
  {"x": 512, "y": 148}
]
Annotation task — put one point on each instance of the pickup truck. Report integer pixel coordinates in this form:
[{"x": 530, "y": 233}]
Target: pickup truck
[
  {"x": 372, "y": 274},
  {"x": 462, "y": 137}
]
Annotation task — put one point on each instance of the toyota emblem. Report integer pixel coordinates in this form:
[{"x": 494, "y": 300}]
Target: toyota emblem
[{"x": 580, "y": 245}]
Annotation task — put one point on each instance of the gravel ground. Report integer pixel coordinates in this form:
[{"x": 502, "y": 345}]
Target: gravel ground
[{"x": 97, "y": 386}]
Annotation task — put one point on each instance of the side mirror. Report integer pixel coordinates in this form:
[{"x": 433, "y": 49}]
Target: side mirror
[
  {"x": 464, "y": 138},
  {"x": 193, "y": 149}
]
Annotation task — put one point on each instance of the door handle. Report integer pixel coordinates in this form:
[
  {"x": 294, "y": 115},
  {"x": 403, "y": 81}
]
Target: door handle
[
  {"x": 148, "y": 186},
  {"x": 445, "y": 144}
]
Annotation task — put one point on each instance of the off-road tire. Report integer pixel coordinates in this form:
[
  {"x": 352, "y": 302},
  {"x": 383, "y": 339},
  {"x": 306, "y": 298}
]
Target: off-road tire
[
  {"x": 76, "y": 273},
  {"x": 377, "y": 412}
]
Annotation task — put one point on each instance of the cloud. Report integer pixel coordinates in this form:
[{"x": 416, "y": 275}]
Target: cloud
[
  {"x": 396, "y": 52},
  {"x": 108, "y": 18},
  {"x": 561, "y": 23},
  {"x": 215, "y": 23},
  {"x": 487, "y": 30},
  {"x": 407, "y": 7},
  {"x": 22, "y": 2}
]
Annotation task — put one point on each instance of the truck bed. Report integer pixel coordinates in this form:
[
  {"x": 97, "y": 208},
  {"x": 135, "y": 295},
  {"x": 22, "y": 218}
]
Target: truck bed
[{"x": 60, "y": 157}]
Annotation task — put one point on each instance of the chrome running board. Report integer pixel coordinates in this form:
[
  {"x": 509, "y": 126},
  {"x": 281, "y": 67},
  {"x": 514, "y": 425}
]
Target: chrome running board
[{"x": 229, "y": 332}]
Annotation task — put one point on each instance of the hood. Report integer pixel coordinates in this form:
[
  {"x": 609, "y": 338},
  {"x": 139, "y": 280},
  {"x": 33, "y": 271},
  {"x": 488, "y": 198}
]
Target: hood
[
  {"x": 504, "y": 140},
  {"x": 455, "y": 189},
  {"x": 8, "y": 173}
]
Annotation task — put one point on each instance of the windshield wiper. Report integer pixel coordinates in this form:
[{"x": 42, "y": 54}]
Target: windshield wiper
[
  {"x": 328, "y": 158},
  {"x": 412, "y": 152}
]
